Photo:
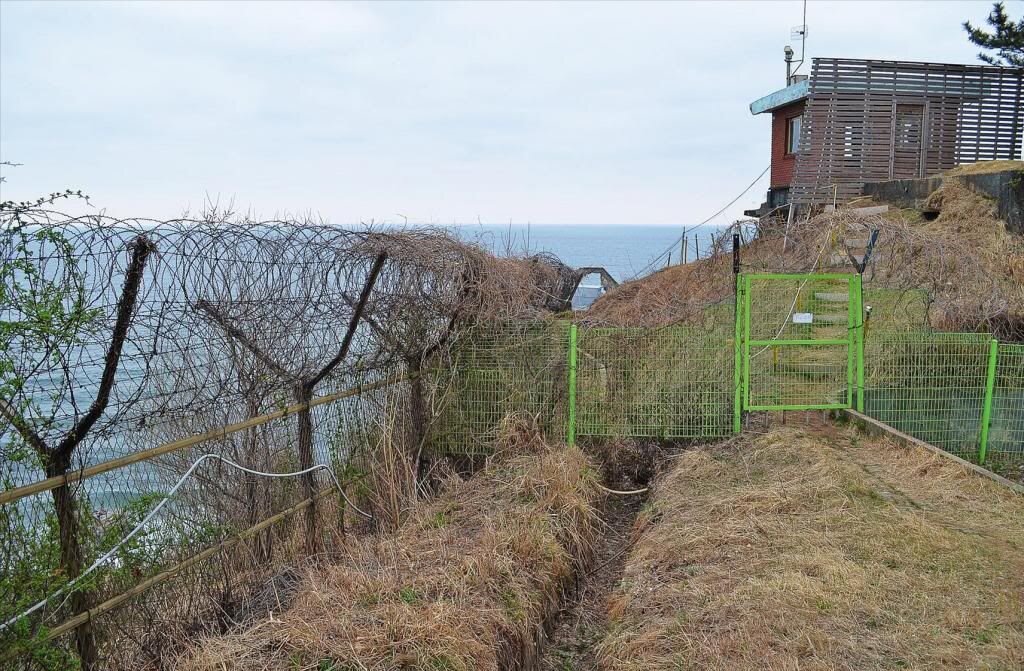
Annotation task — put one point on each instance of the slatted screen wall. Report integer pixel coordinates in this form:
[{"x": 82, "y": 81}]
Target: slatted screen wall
[{"x": 869, "y": 121}]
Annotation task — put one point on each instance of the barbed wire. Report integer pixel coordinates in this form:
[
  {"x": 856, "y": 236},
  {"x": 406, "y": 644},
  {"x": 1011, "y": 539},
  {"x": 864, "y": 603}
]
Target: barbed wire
[{"x": 122, "y": 334}]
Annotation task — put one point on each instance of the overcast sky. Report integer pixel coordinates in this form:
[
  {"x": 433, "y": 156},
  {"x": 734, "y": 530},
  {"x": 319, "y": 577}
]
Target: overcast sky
[{"x": 544, "y": 113}]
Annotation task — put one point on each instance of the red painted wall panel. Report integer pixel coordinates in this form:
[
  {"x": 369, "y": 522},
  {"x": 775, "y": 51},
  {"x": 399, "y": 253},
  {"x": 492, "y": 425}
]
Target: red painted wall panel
[{"x": 783, "y": 164}]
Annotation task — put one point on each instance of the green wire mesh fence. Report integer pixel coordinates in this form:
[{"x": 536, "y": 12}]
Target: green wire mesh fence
[
  {"x": 799, "y": 340},
  {"x": 498, "y": 371},
  {"x": 930, "y": 385},
  {"x": 1006, "y": 428},
  {"x": 961, "y": 392},
  {"x": 674, "y": 382}
]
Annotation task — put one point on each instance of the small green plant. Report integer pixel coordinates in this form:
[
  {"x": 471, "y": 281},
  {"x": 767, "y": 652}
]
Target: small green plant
[
  {"x": 985, "y": 635},
  {"x": 441, "y": 663},
  {"x": 409, "y": 596},
  {"x": 44, "y": 654},
  {"x": 513, "y": 606}
]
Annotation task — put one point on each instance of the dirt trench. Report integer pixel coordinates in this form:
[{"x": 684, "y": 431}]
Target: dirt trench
[{"x": 580, "y": 623}]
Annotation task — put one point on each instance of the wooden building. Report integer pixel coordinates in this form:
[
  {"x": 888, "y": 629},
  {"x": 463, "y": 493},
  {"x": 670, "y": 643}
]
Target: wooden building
[{"x": 858, "y": 121}]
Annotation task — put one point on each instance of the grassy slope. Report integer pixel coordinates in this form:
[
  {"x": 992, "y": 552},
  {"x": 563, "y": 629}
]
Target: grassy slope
[
  {"x": 465, "y": 583},
  {"x": 822, "y": 549},
  {"x": 966, "y": 260},
  {"x": 985, "y": 167}
]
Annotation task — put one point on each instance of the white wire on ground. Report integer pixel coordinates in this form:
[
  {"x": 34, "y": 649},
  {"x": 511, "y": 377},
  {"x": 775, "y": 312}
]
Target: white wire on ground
[
  {"x": 623, "y": 493},
  {"x": 167, "y": 497}
]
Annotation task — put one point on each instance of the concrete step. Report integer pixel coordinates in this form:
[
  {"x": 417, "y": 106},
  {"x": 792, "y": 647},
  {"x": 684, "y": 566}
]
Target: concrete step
[
  {"x": 859, "y": 211},
  {"x": 832, "y": 296},
  {"x": 809, "y": 369},
  {"x": 869, "y": 211}
]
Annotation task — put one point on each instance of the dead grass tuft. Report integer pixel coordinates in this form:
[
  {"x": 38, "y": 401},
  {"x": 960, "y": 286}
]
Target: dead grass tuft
[
  {"x": 518, "y": 434},
  {"x": 821, "y": 549},
  {"x": 465, "y": 582}
]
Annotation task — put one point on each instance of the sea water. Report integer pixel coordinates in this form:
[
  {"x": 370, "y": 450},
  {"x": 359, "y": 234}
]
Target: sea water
[{"x": 624, "y": 250}]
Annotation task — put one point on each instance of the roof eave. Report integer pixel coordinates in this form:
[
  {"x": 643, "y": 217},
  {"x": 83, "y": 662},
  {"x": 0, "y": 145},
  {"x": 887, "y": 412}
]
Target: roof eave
[{"x": 781, "y": 98}]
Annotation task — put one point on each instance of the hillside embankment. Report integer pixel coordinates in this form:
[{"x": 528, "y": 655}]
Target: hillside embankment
[
  {"x": 819, "y": 548},
  {"x": 955, "y": 248}
]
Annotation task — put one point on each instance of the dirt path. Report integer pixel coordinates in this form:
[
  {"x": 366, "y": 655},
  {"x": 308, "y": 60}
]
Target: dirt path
[{"x": 580, "y": 625}]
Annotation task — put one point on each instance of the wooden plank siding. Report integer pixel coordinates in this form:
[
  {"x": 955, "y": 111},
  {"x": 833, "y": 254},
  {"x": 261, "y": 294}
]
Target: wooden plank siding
[{"x": 869, "y": 121}]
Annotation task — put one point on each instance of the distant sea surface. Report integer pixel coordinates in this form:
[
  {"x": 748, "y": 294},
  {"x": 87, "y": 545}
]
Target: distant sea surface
[{"x": 623, "y": 250}]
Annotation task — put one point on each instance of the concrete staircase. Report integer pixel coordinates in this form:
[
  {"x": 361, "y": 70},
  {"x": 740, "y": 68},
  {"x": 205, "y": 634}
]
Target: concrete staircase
[
  {"x": 831, "y": 322},
  {"x": 858, "y": 248}
]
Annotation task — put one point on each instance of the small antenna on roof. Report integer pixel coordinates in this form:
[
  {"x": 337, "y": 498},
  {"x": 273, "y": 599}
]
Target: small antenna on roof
[{"x": 800, "y": 33}]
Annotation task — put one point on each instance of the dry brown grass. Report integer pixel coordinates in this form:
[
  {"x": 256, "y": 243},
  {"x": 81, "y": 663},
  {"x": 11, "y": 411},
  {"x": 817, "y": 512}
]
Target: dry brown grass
[
  {"x": 822, "y": 549},
  {"x": 985, "y": 167},
  {"x": 966, "y": 259},
  {"x": 465, "y": 583}
]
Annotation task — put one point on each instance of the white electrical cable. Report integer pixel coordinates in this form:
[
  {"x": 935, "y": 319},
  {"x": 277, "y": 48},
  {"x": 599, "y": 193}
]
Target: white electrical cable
[
  {"x": 620, "y": 492},
  {"x": 657, "y": 260},
  {"x": 167, "y": 497}
]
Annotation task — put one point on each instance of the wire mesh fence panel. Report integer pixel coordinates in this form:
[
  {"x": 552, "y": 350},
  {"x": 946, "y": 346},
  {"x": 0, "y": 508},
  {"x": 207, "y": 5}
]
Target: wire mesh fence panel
[
  {"x": 799, "y": 344},
  {"x": 788, "y": 377},
  {"x": 148, "y": 521},
  {"x": 497, "y": 372},
  {"x": 895, "y": 309},
  {"x": 673, "y": 382},
  {"x": 1006, "y": 430},
  {"x": 930, "y": 385}
]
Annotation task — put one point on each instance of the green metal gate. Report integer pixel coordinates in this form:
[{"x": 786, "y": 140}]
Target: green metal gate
[{"x": 799, "y": 342}]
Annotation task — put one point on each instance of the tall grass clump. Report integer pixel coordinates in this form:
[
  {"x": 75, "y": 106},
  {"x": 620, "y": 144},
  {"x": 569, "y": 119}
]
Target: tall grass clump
[{"x": 465, "y": 582}]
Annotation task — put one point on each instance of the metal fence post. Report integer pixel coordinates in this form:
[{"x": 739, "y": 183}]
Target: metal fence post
[
  {"x": 745, "y": 353},
  {"x": 851, "y": 339},
  {"x": 860, "y": 343},
  {"x": 986, "y": 408},
  {"x": 737, "y": 386},
  {"x": 570, "y": 432}
]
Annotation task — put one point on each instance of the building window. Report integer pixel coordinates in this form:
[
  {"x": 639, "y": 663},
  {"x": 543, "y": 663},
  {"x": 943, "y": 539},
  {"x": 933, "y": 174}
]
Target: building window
[{"x": 793, "y": 134}]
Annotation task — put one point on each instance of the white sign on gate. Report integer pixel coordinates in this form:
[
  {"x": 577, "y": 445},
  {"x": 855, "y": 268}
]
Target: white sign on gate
[{"x": 803, "y": 318}]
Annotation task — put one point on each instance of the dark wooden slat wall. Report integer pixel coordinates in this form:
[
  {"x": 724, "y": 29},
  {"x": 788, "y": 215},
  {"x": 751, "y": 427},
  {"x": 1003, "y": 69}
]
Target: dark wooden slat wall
[{"x": 870, "y": 121}]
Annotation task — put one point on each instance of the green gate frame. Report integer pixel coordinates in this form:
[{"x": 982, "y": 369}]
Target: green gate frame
[{"x": 854, "y": 344}]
